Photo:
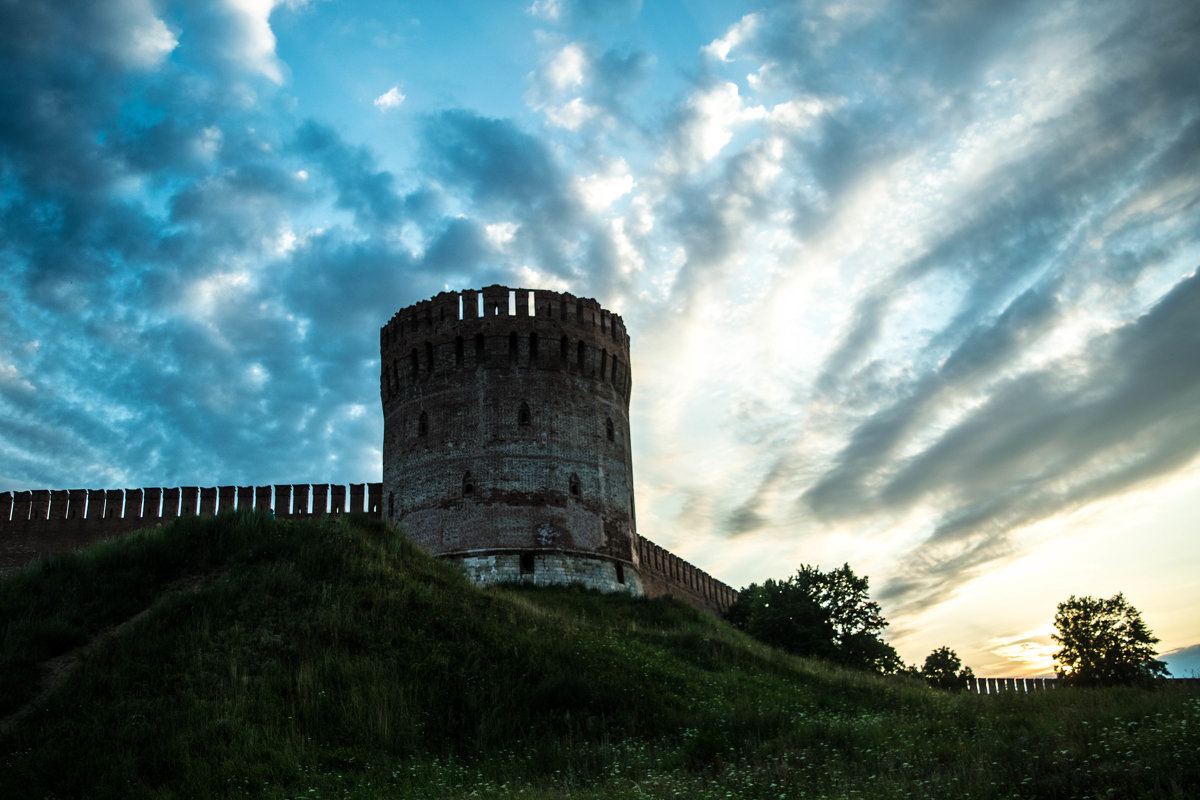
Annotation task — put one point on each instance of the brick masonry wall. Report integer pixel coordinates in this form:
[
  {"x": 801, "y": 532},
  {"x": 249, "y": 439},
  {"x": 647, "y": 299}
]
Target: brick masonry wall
[{"x": 506, "y": 425}]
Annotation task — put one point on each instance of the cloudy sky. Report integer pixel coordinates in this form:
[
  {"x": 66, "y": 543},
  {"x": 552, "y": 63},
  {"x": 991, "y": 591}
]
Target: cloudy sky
[{"x": 910, "y": 285}]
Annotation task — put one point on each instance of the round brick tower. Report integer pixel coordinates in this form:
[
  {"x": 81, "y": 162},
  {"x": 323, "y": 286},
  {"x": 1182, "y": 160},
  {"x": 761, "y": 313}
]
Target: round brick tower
[{"x": 506, "y": 436}]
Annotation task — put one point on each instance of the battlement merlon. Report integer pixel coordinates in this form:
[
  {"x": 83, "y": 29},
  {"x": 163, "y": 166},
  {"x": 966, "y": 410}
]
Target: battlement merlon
[{"x": 449, "y": 311}]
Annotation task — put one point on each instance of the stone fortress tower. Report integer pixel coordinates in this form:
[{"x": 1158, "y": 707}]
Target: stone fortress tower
[
  {"x": 505, "y": 449},
  {"x": 506, "y": 436}
]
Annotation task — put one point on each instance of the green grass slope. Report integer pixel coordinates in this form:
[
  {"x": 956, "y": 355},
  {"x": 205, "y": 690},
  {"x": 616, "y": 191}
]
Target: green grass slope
[{"x": 243, "y": 656}]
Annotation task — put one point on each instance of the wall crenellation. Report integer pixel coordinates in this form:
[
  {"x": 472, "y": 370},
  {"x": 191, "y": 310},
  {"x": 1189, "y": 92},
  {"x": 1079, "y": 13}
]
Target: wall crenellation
[
  {"x": 35, "y": 524},
  {"x": 448, "y": 309}
]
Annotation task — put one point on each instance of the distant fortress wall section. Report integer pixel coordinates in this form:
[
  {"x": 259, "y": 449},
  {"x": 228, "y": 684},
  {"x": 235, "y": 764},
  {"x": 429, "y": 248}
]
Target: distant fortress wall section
[
  {"x": 664, "y": 573},
  {"x": 48, "y": 522},
  {"x": 506, "y": 436}
]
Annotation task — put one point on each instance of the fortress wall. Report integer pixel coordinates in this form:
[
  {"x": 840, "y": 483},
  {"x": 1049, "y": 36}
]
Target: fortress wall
[
  {"x": 36, "y": 524},
  {"x": 42, "y": 523},
  {"x": 664, "y": 573}
]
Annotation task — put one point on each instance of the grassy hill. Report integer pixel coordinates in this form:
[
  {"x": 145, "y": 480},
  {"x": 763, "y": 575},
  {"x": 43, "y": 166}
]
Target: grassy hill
[{"x": 243, "y": 656}]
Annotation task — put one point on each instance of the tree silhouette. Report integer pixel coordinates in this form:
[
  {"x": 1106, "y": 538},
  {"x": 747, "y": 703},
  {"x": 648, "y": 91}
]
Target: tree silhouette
[
  {"x": 814, "y": 613},
  {"x": 942, "y": 671},
  {"x": 1104, "y": 643}
]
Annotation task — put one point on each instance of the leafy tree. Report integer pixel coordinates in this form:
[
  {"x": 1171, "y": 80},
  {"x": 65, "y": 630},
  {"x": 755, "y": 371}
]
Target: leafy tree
[
  {"x": 1104, "y": 643},
  {"x": 823, "y": 614},
  {"x": 943, "y": 670}
]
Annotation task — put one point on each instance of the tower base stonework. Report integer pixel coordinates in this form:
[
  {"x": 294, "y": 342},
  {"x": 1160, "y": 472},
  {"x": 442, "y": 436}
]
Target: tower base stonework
[{"x": 550, "y": 569}]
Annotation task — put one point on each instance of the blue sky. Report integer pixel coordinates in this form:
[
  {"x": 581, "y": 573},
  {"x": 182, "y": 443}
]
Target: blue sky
[{"x": 910, "y": 285}]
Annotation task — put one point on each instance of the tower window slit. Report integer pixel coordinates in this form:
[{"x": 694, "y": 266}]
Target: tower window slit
[{"x": 458, "y": 352}]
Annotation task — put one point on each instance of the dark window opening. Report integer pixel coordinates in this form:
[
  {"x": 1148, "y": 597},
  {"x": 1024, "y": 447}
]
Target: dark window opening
[
  {"x": 423, "y": 425},
  {"x": 533, "y": 344},
  {"x": 512, "y": 347},
  {"x": 603, "y": 363},
  {"x": 574, "y": 485},
  {"x": 458, "y": 352},
  {"x": 609, "y": 430},
  {"x": 523, "y": 416},
  {"x": 620, "y": 572},
  {"x": 468, "y": 487},
  {"x": 579, "y": 310},
  {"x": 526, "y": 563},
  {"x": 479, "y": 348},
  {"x": 414, "y": 362},
  {"x": 581, "y": 354},
  {"x": 429, "y": 355}
]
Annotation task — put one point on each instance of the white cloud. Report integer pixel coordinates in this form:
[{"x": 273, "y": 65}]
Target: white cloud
[
  {"x": 257, "y": 43},
  {"x": 710, "y": 120},
  {"x": 546, "y": 9},
  {"x": 389, "y": 99},
  {"x": 744, "y": 28},
  {"x": 150, "y": 40},
  {"x": 500, "y": 233},
  {"x": 566, "y": 69},
  {"x": 598, "y": 191},
  {"x": 571, "y": 115}
]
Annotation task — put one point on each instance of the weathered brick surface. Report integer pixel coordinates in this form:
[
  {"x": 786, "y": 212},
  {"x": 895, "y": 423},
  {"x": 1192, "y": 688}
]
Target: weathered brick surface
[
  {"x": 509, "y": 430},
  {"x": 507, "y": 443}
]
